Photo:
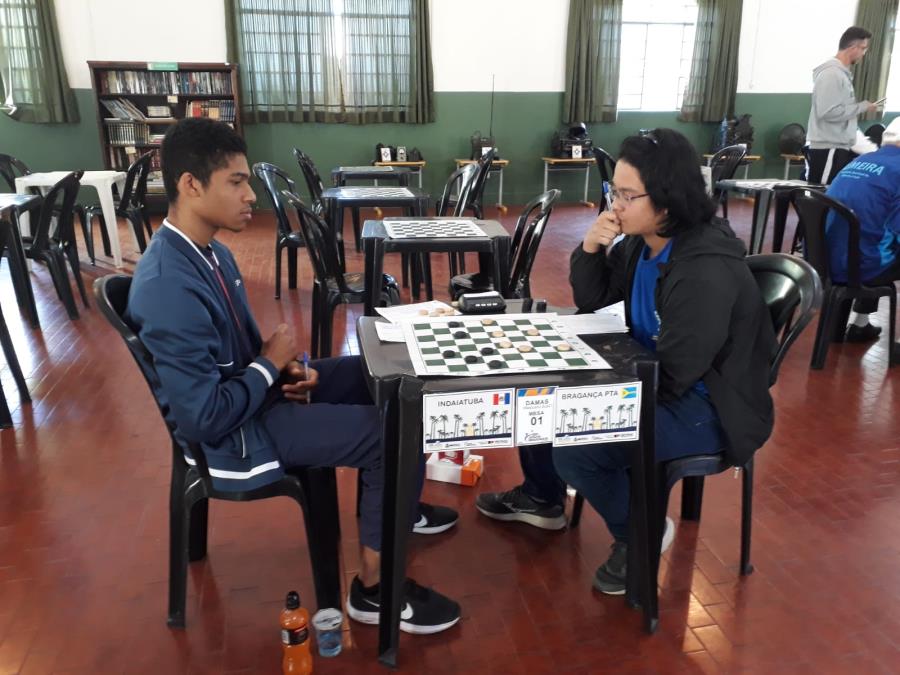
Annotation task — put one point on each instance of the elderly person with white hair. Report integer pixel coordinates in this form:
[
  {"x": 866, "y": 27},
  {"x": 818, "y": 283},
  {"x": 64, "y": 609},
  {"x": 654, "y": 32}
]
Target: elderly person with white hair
[{"x": 870, "y": 185}]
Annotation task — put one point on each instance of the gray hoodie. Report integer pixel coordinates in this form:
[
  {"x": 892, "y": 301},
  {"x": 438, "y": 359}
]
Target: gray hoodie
[{"x": 832, "y": 119}]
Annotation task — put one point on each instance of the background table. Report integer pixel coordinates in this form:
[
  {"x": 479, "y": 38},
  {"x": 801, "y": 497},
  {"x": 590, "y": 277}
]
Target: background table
[
  {"x": 764, "y": 190},
  {"x": 339, "y": 198},
  {"x": 341, "y": 174},
  {"x": 398, "y": 393},
  {"x": 497, "y": 167},
  {"x": 564, "y": 164},
  {"x": 790, "y": 160},
  {"x": 102, "y": 182},
  {"x": 746, "y": 162},
  {"x": 417, "y": 168},
  {"x": 493, "y": 254}
]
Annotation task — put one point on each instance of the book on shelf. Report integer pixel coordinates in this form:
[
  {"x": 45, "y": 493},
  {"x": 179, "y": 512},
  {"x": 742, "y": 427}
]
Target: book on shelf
[
  {"x": 123, "y": 109},
  {"x": 165, "y": 83},
  {"x": 217, "y": 110}
]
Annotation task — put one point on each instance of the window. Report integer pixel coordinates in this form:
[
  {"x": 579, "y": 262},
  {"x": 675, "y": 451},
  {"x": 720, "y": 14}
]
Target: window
[
  {"x": 893, "y": 84},
  {"x": 326, "y": 55},
  {"x": 656, "y": 51},
  {"x": 20, "y": 53}
]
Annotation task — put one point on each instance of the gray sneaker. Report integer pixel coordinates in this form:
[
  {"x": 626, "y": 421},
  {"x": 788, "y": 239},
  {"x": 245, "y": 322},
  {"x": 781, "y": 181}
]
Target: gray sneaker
[
  {"x": 610, "y": 576},
  {"x": 516, "y": 505}
]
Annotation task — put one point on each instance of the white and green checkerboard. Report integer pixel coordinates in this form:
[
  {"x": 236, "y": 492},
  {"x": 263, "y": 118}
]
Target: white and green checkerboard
[{"x": 465, "y": 346}]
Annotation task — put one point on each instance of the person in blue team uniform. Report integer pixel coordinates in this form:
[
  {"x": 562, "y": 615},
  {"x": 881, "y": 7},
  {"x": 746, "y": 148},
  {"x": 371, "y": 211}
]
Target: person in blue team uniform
[
  {"x": 690, "y": 297},
  {"x": 870, "y": 186},
  {"x": 254, "y": 409}
]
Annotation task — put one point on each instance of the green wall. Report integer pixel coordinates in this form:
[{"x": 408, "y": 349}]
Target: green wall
[{"x": 523, "y": 125}]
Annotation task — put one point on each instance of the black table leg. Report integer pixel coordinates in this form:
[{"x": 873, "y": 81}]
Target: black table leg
[
  {"x": 403, "y": 447},
  {"x": 782, "y": 200},
  {"x": 761, "y": 206},
  {"x": 373, "y": 251},
  {"x": 644, "y": 540}
]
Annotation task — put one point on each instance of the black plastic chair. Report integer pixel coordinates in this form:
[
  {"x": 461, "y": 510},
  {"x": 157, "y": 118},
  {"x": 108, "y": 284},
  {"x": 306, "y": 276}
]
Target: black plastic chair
[
  {"x": 53, "y": 240},
  {"x": 331, "y": 286},
  {"x": 792, "y": 291},
  {"x": 606, "y": 165},
  {"x": 9, "y": 352},
  {"x": 11, "y": 168},
  {"x": 456, "y": 191},
  {"x": 723, "y": 166},
  {"x": 131, "y": 205},
  {"x": 476, "y": 195},
  {"x": 523, "y": 250},
  {"x": 191, "y": 487},
  {"x": 285, "y": 237},
  {"x": 874, "y": 133},
  {"x": 813, "y": 208}
]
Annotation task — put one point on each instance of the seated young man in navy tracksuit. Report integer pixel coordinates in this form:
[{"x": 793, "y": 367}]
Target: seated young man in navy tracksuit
[
  {"x": 244, "y": 399},
  {"x": 870, "y": 185}
]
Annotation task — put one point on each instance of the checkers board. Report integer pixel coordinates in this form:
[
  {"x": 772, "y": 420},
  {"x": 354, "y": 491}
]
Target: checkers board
[
  {"x": 369, "y": 192},
  {"x": 431, "y": 229},
  {"x": 367, "y": 169},
  {"x": 484, "y": 345}
]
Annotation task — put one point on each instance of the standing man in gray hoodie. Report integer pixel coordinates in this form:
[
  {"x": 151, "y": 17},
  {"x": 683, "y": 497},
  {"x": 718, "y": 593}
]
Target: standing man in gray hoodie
[{"x": 832, "y": 119}]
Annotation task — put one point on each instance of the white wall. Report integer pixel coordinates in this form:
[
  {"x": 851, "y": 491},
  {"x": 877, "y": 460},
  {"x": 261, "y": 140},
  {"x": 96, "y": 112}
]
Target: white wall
[
  {"x": 781, "y": 42},
  {"x": 522, "y": 42},
  {"x": 134, "y": 30}
]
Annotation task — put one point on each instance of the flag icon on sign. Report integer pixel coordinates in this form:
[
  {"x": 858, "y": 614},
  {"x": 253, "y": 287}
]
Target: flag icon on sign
[
  {"x": 629, "y": 392},
  {"x": 501, "y": 399}
]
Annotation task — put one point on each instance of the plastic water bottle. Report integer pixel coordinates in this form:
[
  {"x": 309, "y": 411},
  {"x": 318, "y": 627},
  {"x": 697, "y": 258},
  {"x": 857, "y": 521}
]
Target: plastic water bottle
[{"x": 295, "y": 637}]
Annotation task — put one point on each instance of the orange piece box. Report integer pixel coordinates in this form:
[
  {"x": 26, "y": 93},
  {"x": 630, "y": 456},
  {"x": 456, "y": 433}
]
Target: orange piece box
[{"x": 450, "y": 472}]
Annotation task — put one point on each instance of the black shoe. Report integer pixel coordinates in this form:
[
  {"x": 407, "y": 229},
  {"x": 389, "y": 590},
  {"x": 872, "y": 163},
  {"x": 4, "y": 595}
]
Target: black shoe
[
  {"x": 610, "y": 576},
  {"x": 434, "y": 519},
  {"x": 866, "y": 333},
  {"x": 424, "y": 611},
  {"x": 516, "y": 505}
]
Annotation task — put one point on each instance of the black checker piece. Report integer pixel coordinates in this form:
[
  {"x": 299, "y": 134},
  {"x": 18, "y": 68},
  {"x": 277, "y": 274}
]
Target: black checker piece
[
  {"x": 487, "y": 351},
  {"x": 455, "y": 324},
  {"x": 471, "y": 358},
  {"x": 449, "y": 354},
  {"x": 460, "y": 335}
]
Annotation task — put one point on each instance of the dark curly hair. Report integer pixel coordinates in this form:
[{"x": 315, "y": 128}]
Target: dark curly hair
[
  {"x": 670, "y": 170},
  {"x": 198, "y": 146}
]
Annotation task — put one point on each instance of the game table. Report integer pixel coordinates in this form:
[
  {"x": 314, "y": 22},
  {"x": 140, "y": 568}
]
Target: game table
[
  {"x": 492, "y": 248},
  {"x": 398, "y": 392}
]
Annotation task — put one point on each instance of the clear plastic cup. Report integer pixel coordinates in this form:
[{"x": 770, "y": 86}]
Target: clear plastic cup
[{"x": 327, "y": 624}]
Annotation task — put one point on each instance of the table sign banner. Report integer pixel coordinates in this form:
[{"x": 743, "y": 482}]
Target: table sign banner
[
  {"x": 535, "y": 414},
  {"x": 597, "y": 414},
  {"x": 465, "y": 420}
]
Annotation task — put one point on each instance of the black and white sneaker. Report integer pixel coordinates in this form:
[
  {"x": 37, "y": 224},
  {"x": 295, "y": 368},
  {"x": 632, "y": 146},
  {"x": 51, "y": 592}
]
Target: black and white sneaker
[
  {"x": 610, "y": 576},
  {"x": 424, "y": 611},
  {"x": 516, "y": 505},
  {"x": 434, "y": 519}
]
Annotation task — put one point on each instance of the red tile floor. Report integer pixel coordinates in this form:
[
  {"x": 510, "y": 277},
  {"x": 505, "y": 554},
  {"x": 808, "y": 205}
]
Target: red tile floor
[{"x": 83, "y": 527}]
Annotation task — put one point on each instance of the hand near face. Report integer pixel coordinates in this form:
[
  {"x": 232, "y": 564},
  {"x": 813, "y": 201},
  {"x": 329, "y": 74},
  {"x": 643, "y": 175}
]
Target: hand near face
[{"x": 602, "y": 232}]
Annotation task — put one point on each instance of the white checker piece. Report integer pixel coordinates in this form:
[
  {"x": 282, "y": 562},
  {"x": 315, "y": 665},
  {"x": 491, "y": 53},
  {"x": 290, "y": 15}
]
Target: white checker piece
[
  {"x": 427, "y": 339},
  {"x": 432, "y": 229},
  {"x": 368, "y": 192}
]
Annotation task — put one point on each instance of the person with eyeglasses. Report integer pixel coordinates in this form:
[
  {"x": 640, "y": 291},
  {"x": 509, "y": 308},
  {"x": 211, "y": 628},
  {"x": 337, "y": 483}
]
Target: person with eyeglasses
[{"x": 689, "y": 297}]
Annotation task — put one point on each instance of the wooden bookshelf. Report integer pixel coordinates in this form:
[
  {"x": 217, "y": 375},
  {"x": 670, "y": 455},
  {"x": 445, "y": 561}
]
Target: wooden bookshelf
[{"x": 137, "y": 101}]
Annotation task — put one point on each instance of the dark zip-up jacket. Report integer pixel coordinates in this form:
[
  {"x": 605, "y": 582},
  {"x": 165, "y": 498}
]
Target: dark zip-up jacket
[{"x": 714, "y": 325}]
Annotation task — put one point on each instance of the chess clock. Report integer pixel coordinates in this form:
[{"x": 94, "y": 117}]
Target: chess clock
[{"x": 482, "y": 303}]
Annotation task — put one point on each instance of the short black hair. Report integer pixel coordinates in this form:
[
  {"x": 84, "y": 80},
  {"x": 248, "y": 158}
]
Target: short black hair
[
  {"x": 670, "y": 170},
  {"x": 198, "y": 146},
  {"x": 851, "y": 35}
]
